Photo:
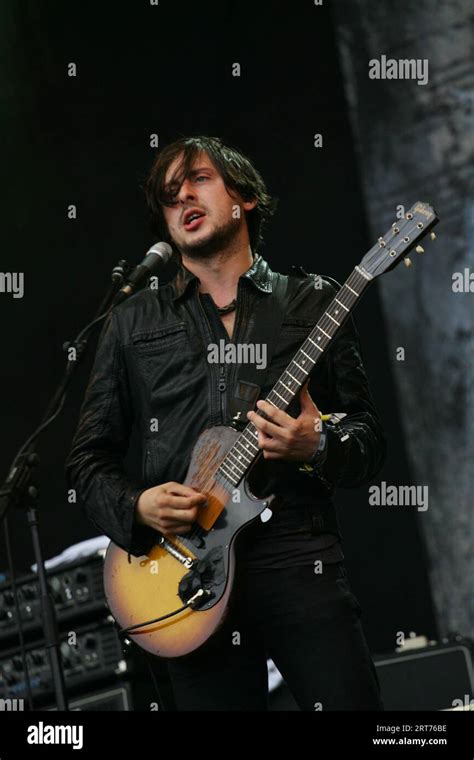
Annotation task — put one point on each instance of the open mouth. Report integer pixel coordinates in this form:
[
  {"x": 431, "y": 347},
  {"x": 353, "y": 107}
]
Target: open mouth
[{"x": 193, "y": 219}]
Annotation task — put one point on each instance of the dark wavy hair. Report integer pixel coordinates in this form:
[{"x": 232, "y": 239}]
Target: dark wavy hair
[{"x": 236, "y": 170}]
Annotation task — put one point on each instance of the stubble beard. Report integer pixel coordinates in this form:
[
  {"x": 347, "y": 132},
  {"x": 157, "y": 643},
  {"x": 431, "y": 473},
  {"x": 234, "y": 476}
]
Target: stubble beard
[{"x": 217, "y": 241}]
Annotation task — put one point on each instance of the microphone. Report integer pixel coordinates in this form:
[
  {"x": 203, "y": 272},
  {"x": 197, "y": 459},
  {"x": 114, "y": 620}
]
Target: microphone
[{"x": 156, "y": 258}]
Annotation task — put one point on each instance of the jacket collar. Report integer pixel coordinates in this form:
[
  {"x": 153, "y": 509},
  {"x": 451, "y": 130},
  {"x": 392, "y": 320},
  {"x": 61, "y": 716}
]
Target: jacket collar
[{"x": 259, "y": 274}]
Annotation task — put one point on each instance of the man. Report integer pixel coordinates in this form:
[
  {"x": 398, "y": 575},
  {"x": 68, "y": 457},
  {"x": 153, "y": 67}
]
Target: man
[{"x": 291, "y": 601}]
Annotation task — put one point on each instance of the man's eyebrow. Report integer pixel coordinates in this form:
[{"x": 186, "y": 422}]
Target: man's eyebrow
[{"x": 193, "y": 172}]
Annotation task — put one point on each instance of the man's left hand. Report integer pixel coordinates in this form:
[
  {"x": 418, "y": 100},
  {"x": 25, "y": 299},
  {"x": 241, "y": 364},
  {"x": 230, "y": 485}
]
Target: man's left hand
[{"x": 284, "y": 437}]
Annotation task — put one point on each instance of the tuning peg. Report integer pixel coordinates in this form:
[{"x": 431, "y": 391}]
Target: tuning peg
[
  {"x": 407, "y": 261},
  {"x": 419, "y": 249},
  {"x": 433, "y": 235}
]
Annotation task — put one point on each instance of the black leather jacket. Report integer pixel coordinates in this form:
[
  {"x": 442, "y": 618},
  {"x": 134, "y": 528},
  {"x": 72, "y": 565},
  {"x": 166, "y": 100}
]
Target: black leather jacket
[{"x": 151, "y": 370}]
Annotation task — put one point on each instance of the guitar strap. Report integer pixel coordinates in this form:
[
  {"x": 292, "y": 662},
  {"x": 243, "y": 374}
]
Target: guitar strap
[{"x": 266, "y": 331}]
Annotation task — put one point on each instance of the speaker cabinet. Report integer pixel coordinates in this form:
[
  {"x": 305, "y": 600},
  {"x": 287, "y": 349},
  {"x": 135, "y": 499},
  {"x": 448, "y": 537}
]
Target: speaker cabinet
[{"x": 438, "y": 677}]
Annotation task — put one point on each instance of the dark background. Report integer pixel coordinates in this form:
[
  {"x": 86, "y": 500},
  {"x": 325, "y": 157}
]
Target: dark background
[{"x": 86, "y": 141}]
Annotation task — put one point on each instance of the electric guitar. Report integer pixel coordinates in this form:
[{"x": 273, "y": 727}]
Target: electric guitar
[{"x": 174, "y": 599}]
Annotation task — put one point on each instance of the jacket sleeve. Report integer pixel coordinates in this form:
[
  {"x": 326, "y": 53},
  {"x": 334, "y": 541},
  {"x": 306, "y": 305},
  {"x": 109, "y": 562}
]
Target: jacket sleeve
[
  {"x": 356, "y": 446},
  {"x": 94, "y": 467}
]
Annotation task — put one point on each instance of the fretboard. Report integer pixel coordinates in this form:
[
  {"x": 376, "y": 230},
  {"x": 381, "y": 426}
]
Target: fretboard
[{"x": 245, "y": 449}]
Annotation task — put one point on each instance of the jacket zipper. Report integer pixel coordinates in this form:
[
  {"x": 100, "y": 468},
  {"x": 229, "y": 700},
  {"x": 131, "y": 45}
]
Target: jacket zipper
[{"x": 222, "y": 389}]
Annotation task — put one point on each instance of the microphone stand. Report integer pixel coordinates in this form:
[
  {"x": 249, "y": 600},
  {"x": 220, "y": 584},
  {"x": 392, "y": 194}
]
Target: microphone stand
[{"x": 20, "y": 489}]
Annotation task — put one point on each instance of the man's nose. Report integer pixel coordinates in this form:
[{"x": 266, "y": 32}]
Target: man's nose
[{"x": 186, "y": 192}]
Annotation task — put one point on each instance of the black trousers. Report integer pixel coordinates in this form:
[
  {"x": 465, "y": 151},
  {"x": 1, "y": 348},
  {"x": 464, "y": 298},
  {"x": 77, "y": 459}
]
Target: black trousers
[{"x": 307, "y": 622}]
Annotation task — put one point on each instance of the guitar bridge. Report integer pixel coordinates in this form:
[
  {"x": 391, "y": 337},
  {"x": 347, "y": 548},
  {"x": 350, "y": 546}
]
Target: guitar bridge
[{"x": 185, "y": 560}]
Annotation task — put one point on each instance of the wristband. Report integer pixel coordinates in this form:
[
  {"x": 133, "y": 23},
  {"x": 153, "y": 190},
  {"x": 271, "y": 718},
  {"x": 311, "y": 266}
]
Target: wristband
[{"x": 320, "y": 453}]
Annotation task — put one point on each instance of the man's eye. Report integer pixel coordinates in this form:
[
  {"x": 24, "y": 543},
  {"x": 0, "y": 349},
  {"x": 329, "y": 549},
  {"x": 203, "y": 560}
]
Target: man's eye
[{"x": 201, "y": 176}]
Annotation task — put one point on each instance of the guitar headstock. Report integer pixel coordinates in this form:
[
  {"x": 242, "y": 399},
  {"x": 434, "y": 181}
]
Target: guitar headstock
[{"x": 404, "y": 235}]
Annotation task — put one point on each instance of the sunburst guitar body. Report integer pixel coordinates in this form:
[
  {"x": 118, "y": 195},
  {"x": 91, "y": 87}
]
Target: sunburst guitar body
[{"x": 194, "y": 570}]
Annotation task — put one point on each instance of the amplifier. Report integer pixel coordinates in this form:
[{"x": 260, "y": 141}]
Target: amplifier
[
  {"x": 77, "y": 591},
  {"x": 434, "y": 677},
  {"x": 90, "y": 654},
  {"x": 134, "y": 689},
  {"x": 115, "y": 699}
]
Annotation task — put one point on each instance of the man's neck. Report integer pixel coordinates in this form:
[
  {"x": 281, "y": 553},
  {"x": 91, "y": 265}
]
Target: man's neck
[{"x": 220, "y": 274}]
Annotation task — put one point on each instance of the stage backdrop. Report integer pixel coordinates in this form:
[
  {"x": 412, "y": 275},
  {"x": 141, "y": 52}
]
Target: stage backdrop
[{"x": 415, "y": 139}]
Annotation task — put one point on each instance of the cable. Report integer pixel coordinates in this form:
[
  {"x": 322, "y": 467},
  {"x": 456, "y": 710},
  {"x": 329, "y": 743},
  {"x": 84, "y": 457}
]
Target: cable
[{"x": 124, "y": 631}]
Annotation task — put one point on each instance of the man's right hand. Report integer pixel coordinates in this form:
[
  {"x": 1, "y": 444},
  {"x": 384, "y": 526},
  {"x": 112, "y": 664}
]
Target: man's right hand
[{"x": 169, "y": 508}]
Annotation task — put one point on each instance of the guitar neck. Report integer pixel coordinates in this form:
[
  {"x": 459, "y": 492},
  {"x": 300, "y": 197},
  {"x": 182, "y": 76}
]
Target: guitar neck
[{"x": 245, "y": 450}]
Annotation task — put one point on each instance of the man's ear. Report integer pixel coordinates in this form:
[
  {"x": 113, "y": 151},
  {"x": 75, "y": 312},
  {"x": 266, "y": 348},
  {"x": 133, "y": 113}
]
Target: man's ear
[{"x": 249, "y": 205}]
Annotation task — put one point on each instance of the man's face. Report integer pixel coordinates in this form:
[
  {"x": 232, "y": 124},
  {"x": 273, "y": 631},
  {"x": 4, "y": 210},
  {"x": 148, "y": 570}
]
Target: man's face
[{"x": 217, "y": 221}]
